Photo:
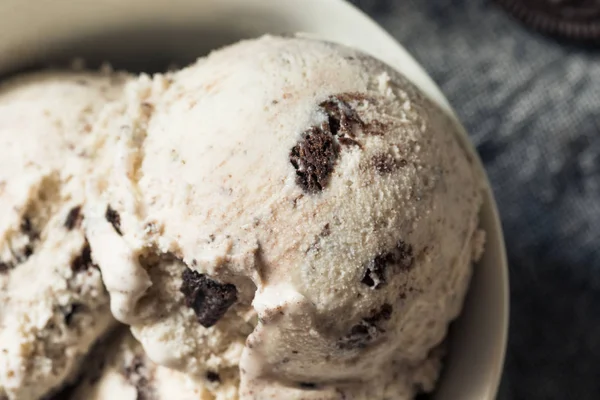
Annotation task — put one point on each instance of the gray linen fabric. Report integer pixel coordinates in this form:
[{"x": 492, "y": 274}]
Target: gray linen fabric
[{"x": 531, "y": 105}]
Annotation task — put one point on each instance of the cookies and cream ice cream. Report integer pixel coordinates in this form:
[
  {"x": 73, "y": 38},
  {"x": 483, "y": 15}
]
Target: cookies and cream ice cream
[
  {"x": 119, "y": 369},
  {"x": 53, "y": 304},
  {"x": 290, "y": 210}
]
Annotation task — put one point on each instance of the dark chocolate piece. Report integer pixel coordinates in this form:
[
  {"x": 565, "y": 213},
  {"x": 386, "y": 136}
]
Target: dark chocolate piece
[
  {"x": 375, "y": 272},
  {"x": 316, "y": 153},
  {"x": 307, "y": 385},
  {"x": 73, "y": 218},
  {"x": 27, "y": 228},
  {"x": 367, "y": 330},
  {"x": 83, "y": 261},
  {"x": 208, "y": 298},
  {"x": 213, "y": 377},
  {"x": 136, "y": 373},
  {"x": 5, "y": 267},
  {"x": 70, "y": 311},
  {"x": 114, "y": 218},
  {"x": 384, "y": 163}
]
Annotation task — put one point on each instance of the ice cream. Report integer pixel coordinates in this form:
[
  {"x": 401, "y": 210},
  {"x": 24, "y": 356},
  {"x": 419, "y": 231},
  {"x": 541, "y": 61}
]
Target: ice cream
[
  {"x": 119, "y": 369},
  {"x": 292, "y": 208},
  {"x": 53, "y": 304}
]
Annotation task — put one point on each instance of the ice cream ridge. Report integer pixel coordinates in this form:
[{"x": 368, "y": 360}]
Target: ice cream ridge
[{"x": 289, "y": 213}]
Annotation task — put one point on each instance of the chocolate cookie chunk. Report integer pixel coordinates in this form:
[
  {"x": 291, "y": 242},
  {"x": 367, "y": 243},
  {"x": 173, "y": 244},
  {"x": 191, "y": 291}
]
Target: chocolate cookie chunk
[
  {"x": 315, "y": 155},
  {"x": 572, "y": 19},
  {"x": 400, "y": 256},
  {"x": 74, "y": 218},
  {"x": 208, "y": 298},
  {"x": 83, "y": 261},
  {"x": 5, "y": 267},
  {"x": 314, "y": 158},
  {"x": 114, "y": 218},
  {"x": 367, "y": 330},
  {"x": 136, "y": 372}
]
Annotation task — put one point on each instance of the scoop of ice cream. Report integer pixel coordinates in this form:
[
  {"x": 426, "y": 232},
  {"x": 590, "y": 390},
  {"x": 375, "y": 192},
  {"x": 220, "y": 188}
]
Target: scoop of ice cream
[
  {"x": 300, "y": 181},
  {"x": 54, "y": 305},
  {"x": 119, "y": 369},
  {"x": 190, "y": 323}
]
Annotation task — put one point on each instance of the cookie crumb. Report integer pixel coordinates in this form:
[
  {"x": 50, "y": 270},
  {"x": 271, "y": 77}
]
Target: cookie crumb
[
  {"x": 83, "y": 261},
  {"x": 114, "y": 218},
  {"x": 367, "y": 330},
  {"x": 316, "y": 153},
  {"x": 137, "y": 374},
  {"x": 5, "y": 267},
  {"x": 73, "y": 218},
  {"x": 70, "y": 311},
  {"x": 384, "y": 163},
  {"x": 213, "y": 377},
  {"x": 27, "y": 228},
  {"x": 208, "y": 298},
  {"x": 346, "y": 141},
  {"x": 307, "y": 385},
  {"x": 314, "y": 158},
  {"x": 375, "y": 272}
]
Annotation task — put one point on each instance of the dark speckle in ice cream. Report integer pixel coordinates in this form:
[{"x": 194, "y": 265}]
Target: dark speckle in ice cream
[
  {"x": 400, "y": 257},
  {"x": 367, "y": 330},
  {"x": 208, "y": 298},
  {"x": 376, "y": 128},
  {"x": 84, "y": 260},
  {"x": 346, "y": 141},
  {"x": 114, "y": 218},
  {"x": 136, "y": 372},
  {"x": 74, "y": 217},
  {"x": 341, "y": 117},
  {"x": 383, "y": 314},
  {"x": 21, "y": 255},
  {"x": 213, "y": 377},
  {"x": 5, "y": 267},
  {"x": 70, "y": 310},
  {"x": 27, "y": 228},
  {"x": 316, "y": 153},
  {"x": 307, "y": 385},
  {"x": 314, "y": 158},
  {"x": 27, "y": 251},
  {"x": 384, "y": 163},
  {"x": 296, "y": 200}
]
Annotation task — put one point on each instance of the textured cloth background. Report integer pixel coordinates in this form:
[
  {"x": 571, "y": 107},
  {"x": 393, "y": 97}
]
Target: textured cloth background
[{"x": 532, "y": 107}]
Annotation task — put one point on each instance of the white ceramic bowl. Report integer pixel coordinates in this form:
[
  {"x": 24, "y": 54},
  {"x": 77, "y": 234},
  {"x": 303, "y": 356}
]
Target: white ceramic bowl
[{"x": 142, "y": 34}]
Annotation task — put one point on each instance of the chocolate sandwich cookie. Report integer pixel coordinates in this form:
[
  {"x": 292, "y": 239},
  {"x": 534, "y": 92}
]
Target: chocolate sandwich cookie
[{"x": 571, "y": 19}]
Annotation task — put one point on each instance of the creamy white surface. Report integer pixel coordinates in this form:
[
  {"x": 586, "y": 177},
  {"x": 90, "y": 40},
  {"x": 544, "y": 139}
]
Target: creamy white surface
[
  {"x": 45, "y": 122},
  {"x": 126, "y": 373},
  {"x": 197, "y": 165}
]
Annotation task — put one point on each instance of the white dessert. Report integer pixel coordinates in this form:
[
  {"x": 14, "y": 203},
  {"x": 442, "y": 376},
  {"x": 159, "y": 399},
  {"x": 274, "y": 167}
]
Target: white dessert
[
  {"x": 53, "y": 304},
  {"x": 288, "y": 207}
]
